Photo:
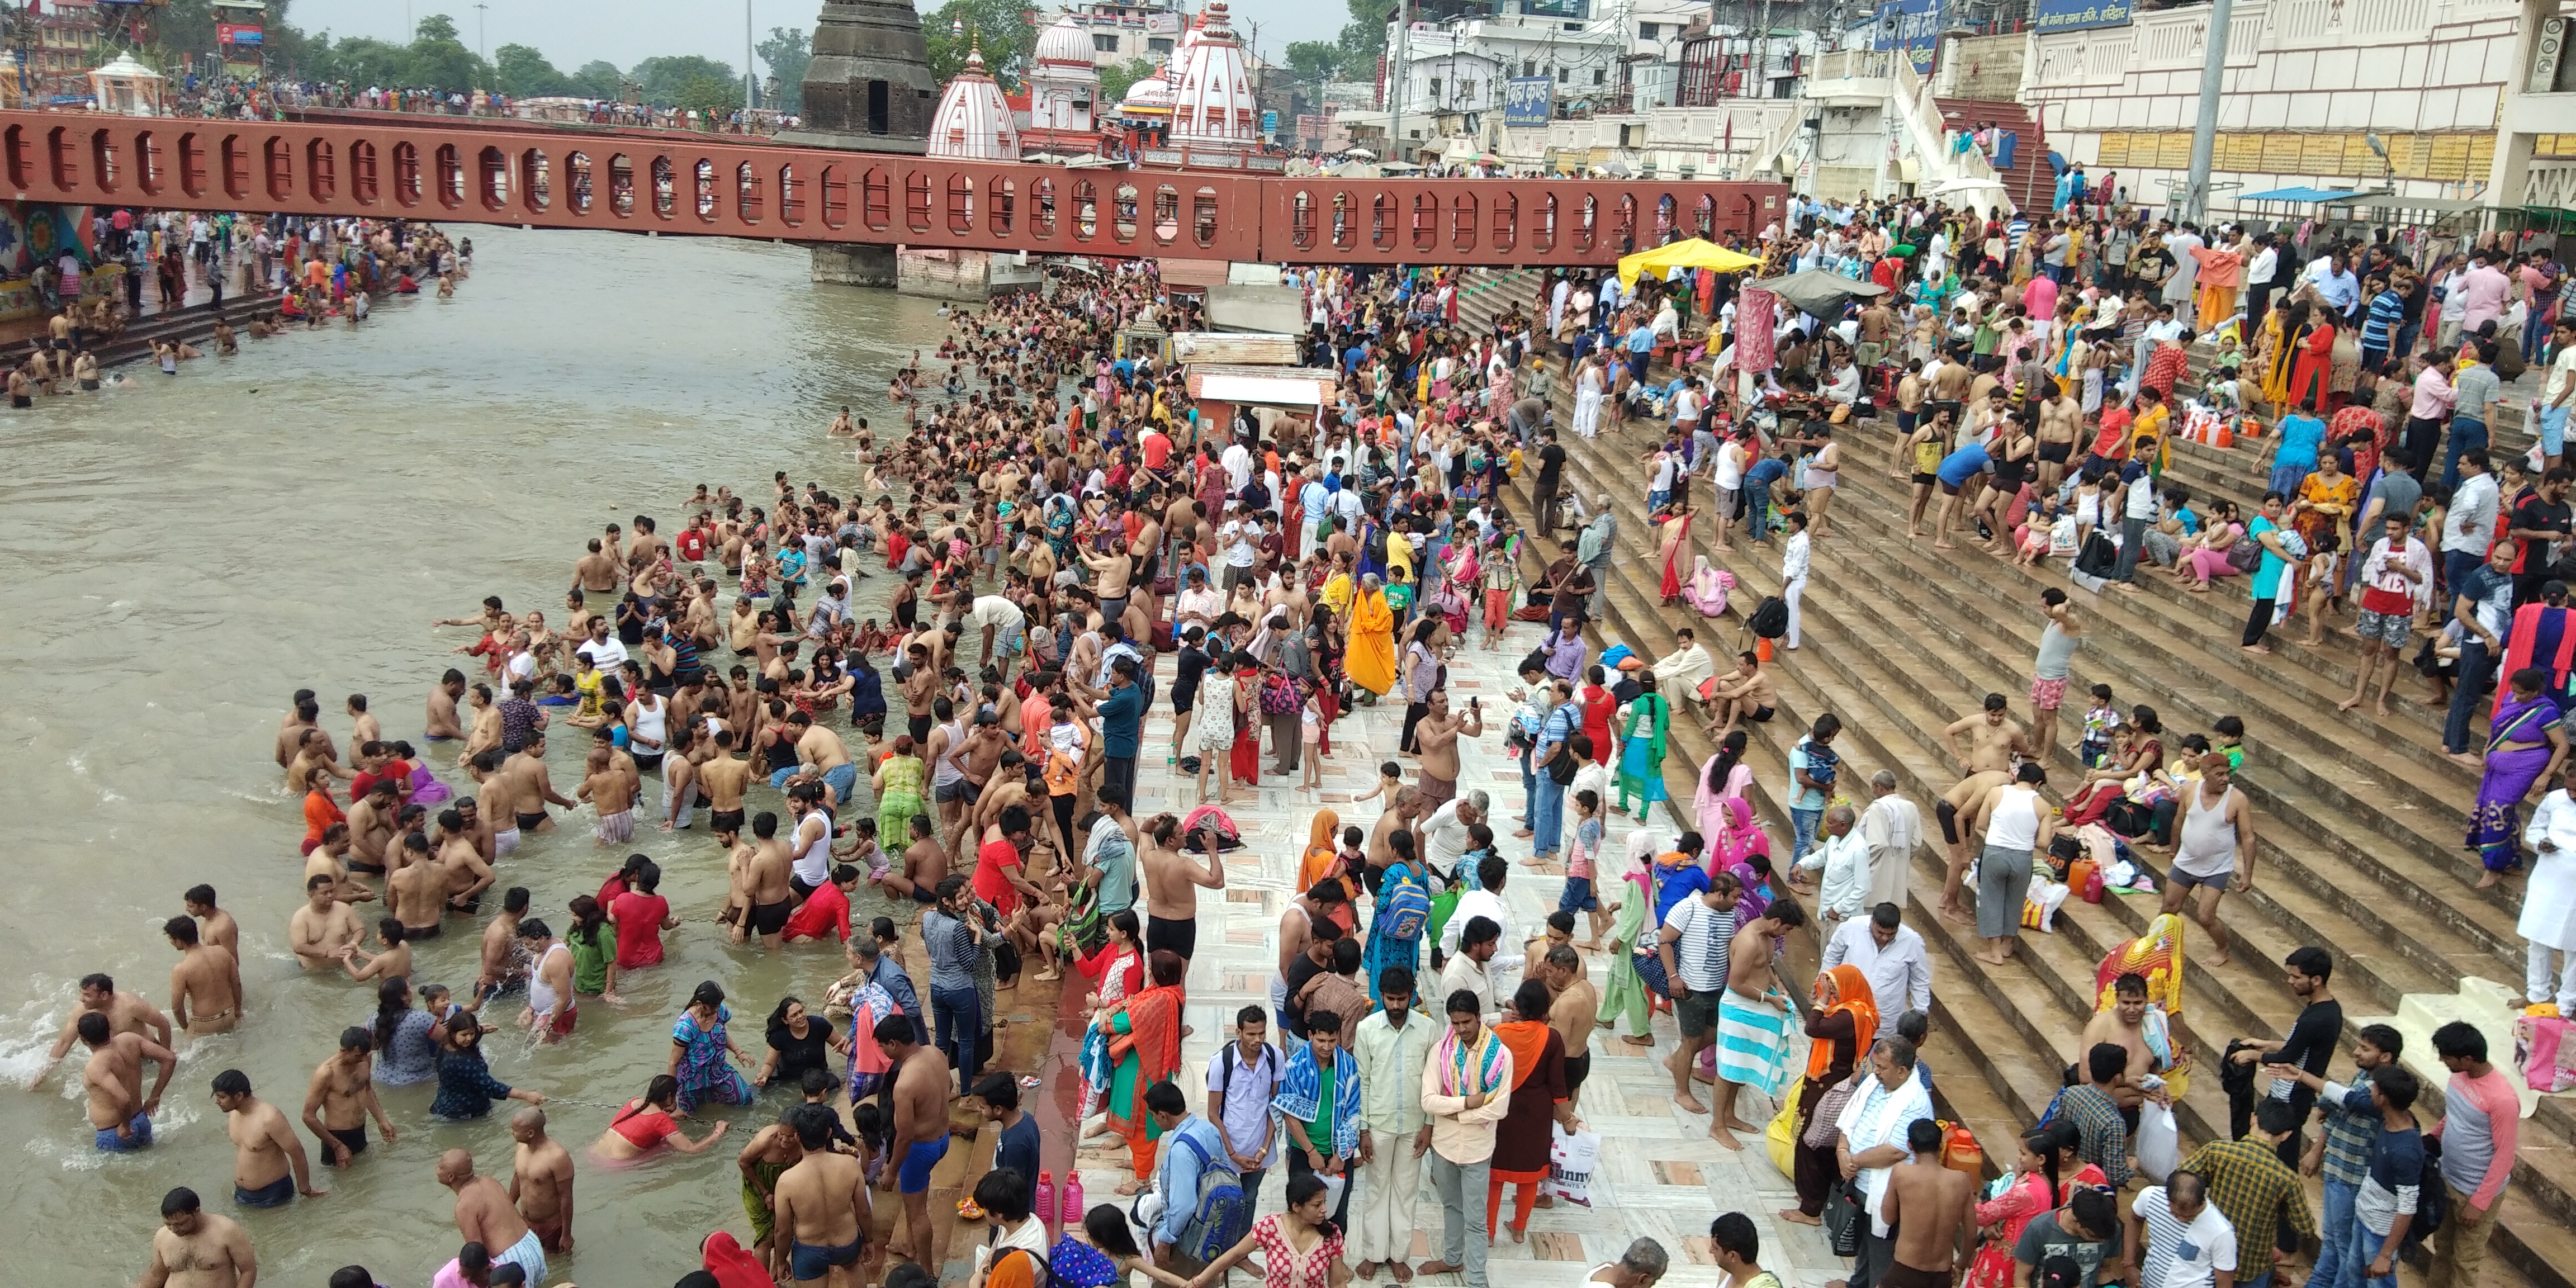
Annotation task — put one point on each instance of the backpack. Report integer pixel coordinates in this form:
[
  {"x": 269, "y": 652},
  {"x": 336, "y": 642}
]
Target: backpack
[
  {"x": 1042, "y": 1272},
  {"x": 1403, "y": 903},
  {"x": 2432, "y": 1202},
  {"x": 1770, "y": 619},
  {"x": 1220, "y": 1213}
]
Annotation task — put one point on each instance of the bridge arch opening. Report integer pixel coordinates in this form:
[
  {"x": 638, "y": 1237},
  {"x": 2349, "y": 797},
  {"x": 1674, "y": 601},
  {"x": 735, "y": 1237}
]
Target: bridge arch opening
[
  {"x": 621, "y": 185},
  {"x": 1001, "y": 206},
  {"x": 406, "y": 174},
  {"x": 103, "y": 161},
  {"x": 365, "y": 185},
  {"x": 1042, "y": 207},
  {"x": 321, "y": 170},
  {"x": 791, "y": 197},
  {"x": 748, "y": 204},
  {"x": 916, "y": 201},
  {"x": 961, "y": 204},
  {"x": 1506, "y": 226},
  {"x": 1167, "y": 214},
  {"x": 702, "y": 179},
  {"x": 666, "y": 194},
  {"x": 1462, "y": 221},
  {"x": 1122, "y": 212},
  {"x": 147, "y": 163},
  {"x": 578, "y": 196},
  {"x": 536, "y": 181},
  {"x": 876, "y": 199},
  {"x": 836, "y": 197},
  {"x": 449, "y": 162},
  {"x": 1204, "y": 216}
]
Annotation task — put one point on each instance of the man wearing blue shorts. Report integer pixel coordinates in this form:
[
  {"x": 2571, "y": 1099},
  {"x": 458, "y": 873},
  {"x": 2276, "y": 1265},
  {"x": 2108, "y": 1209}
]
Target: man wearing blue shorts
[
  {"x": 113, "y": 1078},
  {"x": 918, "y": 1090},
  {"x": 2558, "y": 392}
]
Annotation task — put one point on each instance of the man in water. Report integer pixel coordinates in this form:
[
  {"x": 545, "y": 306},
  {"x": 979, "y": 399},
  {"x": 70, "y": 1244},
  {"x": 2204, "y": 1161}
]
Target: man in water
[
  {"x": 770, "y": 886},
  {"x": 920, "y": 1096},
  {"x": 525, "y": 772},
  {"x": 195, "y": 1250},
  {"x": 216, "y": 926},
  {"x": 324, "y": 927},
  {"x": 485, "y": 1215},
  {"x": 125, "y": 1012},
  {"x": 342, "y": 1096},
  {"x": 541, "y": 1180},
  {"x": 268, "y": 1157},
  {"x": 113, "y": 1079},
  {"x": 206, "y": 979},
  {"x": 439, "y": 722},
  {"x": 416, "y": 893},
  {"x": 822, "y": 1203}
]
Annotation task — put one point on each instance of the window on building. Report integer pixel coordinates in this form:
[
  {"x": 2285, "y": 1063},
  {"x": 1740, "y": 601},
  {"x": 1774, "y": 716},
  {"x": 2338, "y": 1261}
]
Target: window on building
[
  {"x": 1560, "y": 75},
  {"x": 1649, "y": 30},
  {"x": 1435, "y": 87},
  {"x": 1104, "y": 42},
  {"x": 878, "y": 107},
  {"x": 1599, "y": 76},
  {"x": 1158, "y": 44},
  {"x": 1529, "y": 67}
]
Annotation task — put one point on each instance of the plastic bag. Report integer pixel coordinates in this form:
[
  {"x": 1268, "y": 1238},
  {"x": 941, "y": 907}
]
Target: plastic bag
[
  {"x": 1571, "y": 1160},
  {"x": 1780, "y": 1136},
  {"x": 2159, "y": 1143}
]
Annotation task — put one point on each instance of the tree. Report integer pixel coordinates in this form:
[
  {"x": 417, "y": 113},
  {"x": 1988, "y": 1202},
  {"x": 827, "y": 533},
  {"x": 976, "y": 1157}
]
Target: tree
[
  {"x": 1116, "y": 81},
  {"x": 523, "y": 72},
  {"x": 1001, "y": 27},
  {"x": 364, "y": 62},
  {"x": 437, "y": 26},
  {"x": 708, "y": 95},
  {"x": 664, "y": 78},
  {"x": 598, "y": 78},
  {"x": 786, "y": 56},
  {"x": 1314, "y": 61}
]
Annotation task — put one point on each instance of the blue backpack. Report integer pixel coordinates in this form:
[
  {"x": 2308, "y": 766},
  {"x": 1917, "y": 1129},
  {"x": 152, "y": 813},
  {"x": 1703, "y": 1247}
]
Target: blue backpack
[
  {"x": 1220, "y": 1213},
  {"x": 1403, "y": 902}
]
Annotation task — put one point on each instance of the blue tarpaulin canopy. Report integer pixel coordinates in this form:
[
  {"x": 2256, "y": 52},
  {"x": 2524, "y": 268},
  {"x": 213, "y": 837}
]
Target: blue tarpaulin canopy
[{"x": 2301, "y": 194}]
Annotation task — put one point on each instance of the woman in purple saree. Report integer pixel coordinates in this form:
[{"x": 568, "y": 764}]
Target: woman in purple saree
[{"x": 2524, "y": 746}]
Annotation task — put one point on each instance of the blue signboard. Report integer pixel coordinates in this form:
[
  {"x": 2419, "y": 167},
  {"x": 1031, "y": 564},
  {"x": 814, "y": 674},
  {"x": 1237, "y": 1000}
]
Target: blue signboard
[
  {"x": 1529, "y": 100},
  {"x": 1913, "y": 26},
  {"x": 1269, "y": 124},
  {"x": 2076, "y": 15}
]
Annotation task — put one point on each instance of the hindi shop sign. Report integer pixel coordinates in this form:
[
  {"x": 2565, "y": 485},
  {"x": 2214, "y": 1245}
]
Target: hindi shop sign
[
  {"x": 1528, "y": 100},
  {"x": 2077, "y": 15}
]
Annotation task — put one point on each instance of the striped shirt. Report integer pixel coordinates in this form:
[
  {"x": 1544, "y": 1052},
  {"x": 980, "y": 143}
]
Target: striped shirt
[
  {"x": 1704, "y": 937},
  {"x": 2379, "y": 328}
]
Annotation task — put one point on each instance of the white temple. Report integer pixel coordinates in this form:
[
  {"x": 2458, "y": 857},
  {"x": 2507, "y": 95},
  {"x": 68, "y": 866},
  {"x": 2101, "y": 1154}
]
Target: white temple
[
  {"x": 1212, "y": 104},
  {"x": 1063, "y": 81},
  {"x": 973, "y": 123}
]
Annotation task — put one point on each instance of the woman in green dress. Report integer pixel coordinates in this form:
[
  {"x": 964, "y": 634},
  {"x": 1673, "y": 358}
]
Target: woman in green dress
[
  {"x": 898, "y": 786},
  {"x": 594, "y": 951},
  {"x": 1641, "y": 756},
  {"x": 1625, "y": 1002}
]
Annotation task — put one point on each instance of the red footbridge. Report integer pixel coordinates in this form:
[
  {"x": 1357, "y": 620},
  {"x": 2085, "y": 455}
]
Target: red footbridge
[{"x": 464, "y": 170}]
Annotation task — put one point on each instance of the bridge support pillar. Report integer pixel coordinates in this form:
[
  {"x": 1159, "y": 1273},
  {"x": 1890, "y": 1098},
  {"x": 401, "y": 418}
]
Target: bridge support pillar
[{"x": 847, "y": 264}]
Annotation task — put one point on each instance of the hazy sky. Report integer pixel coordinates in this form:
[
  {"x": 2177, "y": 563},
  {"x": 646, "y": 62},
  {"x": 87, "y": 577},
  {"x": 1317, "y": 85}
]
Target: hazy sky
[{"x": 625, "y": 32}]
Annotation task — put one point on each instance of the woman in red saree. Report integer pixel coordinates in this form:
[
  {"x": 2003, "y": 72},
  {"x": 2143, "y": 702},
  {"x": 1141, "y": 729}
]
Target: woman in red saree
[
  {"x": 1145, "y": 1048},
  {"x": 1674, "y": 545},
  {"x": 1245, "y": 757}
]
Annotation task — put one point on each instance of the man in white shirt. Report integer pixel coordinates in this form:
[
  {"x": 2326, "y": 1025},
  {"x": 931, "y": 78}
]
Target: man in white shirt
[
  {"x": 2470, "y": 522},
  {"x": 1793, "y": 571},
  {"x": 1237, "y": 460},
  {"x": 1240, "y": 536},
  {"x": 1486, "y": 901},
  {"x": 1892, "y": 826},
  {"x": 2186, "y": 274},
  {"x": 603, "y": 649},
  {"x": 1471, "y": 968},
  {"x": 1843, "y": 857},
  {"x": 1679, "y": 673},
  {"x": 1891, "y": 954},
  {"x": 1694, "y": 943},
  {"x": 1198, "y": 605}
]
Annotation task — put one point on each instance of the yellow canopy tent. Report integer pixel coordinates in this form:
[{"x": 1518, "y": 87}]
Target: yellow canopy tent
[{"x": 1696, "y": 252}]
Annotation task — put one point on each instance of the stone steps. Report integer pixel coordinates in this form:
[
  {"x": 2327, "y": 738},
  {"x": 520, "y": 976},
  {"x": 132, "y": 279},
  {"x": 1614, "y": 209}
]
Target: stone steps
[{"x": 1898, "y": 673}]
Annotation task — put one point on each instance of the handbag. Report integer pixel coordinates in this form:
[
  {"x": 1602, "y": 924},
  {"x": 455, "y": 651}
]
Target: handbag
[
  {"x": 1844, "y": 1219},
  {"x": 1650, "y": 970}
]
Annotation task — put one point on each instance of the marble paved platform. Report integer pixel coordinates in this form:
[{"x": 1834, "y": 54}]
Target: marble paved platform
[{"x": 1661, "y": 1174}]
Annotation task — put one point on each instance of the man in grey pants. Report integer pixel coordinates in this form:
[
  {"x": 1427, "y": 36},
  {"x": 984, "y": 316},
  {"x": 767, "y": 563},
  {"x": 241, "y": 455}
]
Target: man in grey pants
[{"x": 1463, "y": 1108}]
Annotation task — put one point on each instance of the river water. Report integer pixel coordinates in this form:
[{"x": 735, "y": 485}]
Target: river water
[{"x": 182, "y": 556}]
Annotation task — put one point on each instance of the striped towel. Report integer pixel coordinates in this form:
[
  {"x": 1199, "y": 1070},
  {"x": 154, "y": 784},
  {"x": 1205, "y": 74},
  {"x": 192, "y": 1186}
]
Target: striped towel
[{"x": 1752, "y": 1039}]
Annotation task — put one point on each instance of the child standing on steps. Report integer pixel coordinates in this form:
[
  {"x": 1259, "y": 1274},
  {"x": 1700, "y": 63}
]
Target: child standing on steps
[{"x": 2101, "y": 722}]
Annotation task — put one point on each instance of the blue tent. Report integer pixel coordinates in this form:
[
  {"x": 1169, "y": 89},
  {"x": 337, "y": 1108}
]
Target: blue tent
[{"x": 2310, "y": 195}]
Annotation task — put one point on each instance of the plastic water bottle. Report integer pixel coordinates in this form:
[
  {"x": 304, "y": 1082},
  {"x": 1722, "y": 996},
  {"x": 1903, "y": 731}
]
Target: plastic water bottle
[
  {"x": 1045, "y": 1205},
  {"x": 1073, "y": 1208}
]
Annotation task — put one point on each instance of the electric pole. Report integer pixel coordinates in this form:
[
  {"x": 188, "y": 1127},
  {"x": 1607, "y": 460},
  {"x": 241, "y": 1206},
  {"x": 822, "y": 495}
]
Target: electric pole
[
  {"x": 1403, "y": 68},
  {"x": 2204, "y": 131},
  {"x": 750, "y": 93},
  {"x": 482, "y": 46}
]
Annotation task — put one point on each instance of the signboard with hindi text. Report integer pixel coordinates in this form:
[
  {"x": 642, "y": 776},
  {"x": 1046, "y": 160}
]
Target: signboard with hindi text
[
  {"x": 1528, "y": 100},
  {"x": 2076, "y": 15},
  {"x": 1913, "y": 26}
]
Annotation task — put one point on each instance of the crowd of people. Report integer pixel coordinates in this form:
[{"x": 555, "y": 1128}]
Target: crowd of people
[{"x": 1059, "y": 517}]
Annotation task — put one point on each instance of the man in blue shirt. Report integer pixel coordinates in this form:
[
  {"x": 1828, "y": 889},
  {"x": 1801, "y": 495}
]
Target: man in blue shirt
[
  {"x": 1957, "y": 471},
  {"x": 1122, "y": 714},
  {"x": 2337, "y": 285},
  {"x": 1641, "y": 347},
  {"x": 1190, "y": 1145},
  {"x": 2379, "y": 329}
]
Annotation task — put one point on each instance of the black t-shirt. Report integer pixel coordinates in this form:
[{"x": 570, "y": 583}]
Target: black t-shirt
[
  {"x": 1551, "y": 463},
  {"x": 1193, "y": 663},
  {"x": 796, "y": 1055},
  {"x": 2311, "y": 1046},
  {"x": 1299, "y": 971},
  {"x": 2537, "y": 515}
]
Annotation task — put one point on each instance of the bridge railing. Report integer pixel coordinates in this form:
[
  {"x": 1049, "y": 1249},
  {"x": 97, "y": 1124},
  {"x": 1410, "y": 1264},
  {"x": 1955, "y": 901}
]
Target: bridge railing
[{"x": 419, "y": 168}]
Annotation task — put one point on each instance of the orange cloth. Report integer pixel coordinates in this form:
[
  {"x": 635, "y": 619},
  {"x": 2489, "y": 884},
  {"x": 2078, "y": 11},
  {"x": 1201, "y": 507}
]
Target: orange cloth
[
  {"x": 1527, "y": 1041},
  {"x": 320, "y": 813},
  {"x": 1321, "y": 851},
  {"x": 1851, "y": 993},
  {"x": 1524, "y": 1198}
]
